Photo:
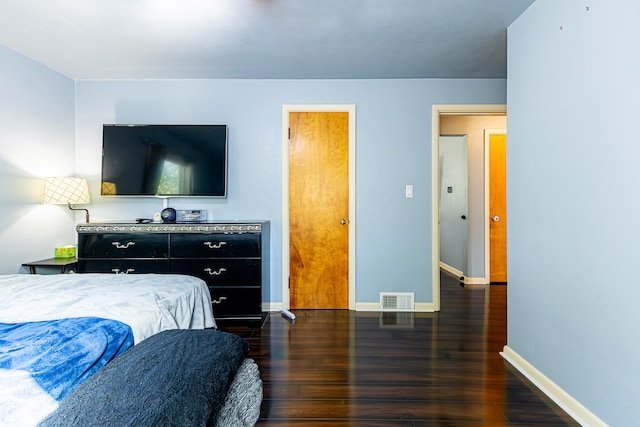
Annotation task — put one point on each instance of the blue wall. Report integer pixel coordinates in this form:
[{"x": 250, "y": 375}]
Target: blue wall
[
  {"x": 393, "y": 133},
  {"x": 573, "y": 181},
  {"x": 37, "y": 139},
  {"x": 393, "y": 136}
]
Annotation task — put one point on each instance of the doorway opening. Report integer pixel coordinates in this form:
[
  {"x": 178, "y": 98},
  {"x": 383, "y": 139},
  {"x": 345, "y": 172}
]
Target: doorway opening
[
  {"x": 287, "y": 110},
  {"x": 449, "y": 112}
]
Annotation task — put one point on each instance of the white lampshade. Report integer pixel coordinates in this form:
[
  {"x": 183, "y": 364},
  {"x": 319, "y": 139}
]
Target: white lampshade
[{"x": 64, "y": 190}]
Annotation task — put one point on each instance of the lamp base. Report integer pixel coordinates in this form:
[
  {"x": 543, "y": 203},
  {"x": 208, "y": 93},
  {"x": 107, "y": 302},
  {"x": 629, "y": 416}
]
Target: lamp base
[{"x": 80, "y": 209}]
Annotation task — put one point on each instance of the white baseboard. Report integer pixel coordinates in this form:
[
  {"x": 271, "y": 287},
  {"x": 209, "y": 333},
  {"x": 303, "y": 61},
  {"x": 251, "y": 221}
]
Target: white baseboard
[
  {"x": 475, "y": 281},
  {"x": 466, "y": 280},
  {"x": 570, "y": 405},
  {"x": 420, "y": 307},
  {"x": 451, "y": 270},
  {"x": 271, "y": 306},
  {"x": 425, "y": 307}
]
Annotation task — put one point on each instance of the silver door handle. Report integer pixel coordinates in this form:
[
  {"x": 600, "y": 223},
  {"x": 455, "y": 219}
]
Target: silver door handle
[{"x": 495, "y": 218}]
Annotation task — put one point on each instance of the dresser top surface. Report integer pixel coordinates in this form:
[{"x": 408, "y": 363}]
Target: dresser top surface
[{"x": 205, "y": 227}]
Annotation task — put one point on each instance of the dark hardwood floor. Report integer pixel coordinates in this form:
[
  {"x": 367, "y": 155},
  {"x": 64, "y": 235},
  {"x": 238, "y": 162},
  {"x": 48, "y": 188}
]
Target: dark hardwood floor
[{"x": 342, "y": 368}]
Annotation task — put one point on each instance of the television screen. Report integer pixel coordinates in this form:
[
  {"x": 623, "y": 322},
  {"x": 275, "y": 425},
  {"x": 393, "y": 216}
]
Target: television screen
[{"x": 164, "y": 160}]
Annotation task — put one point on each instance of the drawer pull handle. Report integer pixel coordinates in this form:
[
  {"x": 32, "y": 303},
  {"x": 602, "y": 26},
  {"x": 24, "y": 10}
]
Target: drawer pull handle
[
  {"x": 127, "y": 271},
  {"x": 218, "y": 301},
  {"x": 211, "y": 245},
  {"x": 216, "y": 272},
  {"x": 119, "y": 245}
]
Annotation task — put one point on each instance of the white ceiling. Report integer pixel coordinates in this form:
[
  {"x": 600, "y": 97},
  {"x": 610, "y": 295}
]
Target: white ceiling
[{"x": 283, "y": 39}]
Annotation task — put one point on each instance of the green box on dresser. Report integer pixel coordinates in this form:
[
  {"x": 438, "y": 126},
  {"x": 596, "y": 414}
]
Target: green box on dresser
[{"x": 232, "y": 257}]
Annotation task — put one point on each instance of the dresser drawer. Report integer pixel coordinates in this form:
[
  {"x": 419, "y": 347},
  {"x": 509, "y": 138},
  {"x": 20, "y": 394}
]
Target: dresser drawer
[
  {"x": 221, "y": 272},
  {"x": 215, "y": 245},
  {"x": 129, "y": 266},
  {"x": 236, "y": 302},
  {"x": 117, "y": 245}
]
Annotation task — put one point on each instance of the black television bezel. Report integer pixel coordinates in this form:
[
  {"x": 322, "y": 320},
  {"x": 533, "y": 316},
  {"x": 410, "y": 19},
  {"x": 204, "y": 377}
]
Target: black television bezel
[{"x": 168, "y": 196}]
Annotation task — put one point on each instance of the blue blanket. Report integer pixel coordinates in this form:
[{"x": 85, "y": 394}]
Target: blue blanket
[{"x": 60, "y": 354}]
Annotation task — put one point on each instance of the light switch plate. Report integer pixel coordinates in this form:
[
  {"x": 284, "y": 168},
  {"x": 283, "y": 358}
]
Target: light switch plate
[{"x": 408, "y": 191}]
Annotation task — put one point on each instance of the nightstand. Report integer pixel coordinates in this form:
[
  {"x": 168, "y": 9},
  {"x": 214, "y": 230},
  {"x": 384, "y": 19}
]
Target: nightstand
[{"x": 62, "y": 263}]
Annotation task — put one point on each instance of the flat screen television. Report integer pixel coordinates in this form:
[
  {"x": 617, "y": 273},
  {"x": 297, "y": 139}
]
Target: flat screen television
[{"x": 164, "y": 160}]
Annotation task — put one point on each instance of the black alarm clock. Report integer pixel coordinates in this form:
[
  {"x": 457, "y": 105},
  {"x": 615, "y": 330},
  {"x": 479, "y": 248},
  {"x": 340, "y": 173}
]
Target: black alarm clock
[{"x": 168, "y": 215}]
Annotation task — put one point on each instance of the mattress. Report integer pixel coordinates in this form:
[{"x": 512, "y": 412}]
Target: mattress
[{"x": 148, "y": 303}]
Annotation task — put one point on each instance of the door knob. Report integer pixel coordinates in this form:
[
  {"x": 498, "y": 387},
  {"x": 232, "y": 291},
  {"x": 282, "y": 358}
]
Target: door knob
[
  {"x": 343, "y": 221},
  {"x": 495, "y": 218}
]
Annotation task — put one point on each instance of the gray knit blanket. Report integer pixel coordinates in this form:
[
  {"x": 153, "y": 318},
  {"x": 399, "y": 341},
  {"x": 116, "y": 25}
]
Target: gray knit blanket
[{"x": 174, "y": 378}]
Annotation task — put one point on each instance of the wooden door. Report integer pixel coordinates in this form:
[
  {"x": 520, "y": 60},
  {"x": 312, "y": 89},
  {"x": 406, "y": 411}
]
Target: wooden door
[
  {"x": 498, "y": 208},
  {"x": 318, "y": 210}
]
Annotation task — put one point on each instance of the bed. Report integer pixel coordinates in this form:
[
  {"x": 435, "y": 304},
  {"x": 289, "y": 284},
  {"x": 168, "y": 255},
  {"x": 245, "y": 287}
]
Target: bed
[{"x": 144, "y": 345}]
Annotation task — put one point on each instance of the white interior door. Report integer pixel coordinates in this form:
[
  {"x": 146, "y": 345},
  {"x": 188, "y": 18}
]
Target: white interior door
[{"x": 454, "y": 203}]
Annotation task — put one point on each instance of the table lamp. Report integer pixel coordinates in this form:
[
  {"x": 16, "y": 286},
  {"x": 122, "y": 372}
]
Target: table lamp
[{"x": 61, "y": 190}]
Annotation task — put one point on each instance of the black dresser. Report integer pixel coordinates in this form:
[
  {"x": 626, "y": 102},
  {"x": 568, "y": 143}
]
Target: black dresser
[{"x": 232, "y": 257}]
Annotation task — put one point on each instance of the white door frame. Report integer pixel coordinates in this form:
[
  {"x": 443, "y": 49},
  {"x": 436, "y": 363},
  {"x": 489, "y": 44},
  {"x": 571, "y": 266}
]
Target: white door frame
[
  {"x": 319, "y": 108},
  {"x": 437, "y": 111}
]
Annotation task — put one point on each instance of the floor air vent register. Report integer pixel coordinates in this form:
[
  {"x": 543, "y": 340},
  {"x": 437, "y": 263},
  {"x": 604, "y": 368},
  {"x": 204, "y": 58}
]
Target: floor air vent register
[
  {"x": 397, "y": 309},
  {"x": 397, "y": 301}
]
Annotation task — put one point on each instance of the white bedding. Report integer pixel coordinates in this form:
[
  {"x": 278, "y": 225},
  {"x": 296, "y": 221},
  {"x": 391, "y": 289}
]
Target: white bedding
[{"x": 148, "y": 303}]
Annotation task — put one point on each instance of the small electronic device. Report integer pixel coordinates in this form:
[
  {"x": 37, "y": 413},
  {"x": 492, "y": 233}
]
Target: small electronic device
[
  {"x": 191, "y": 215},
  {"x": 168, "y": 215}
]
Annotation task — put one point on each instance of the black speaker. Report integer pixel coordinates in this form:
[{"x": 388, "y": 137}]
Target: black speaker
[{"x": 168, "y": 215}]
